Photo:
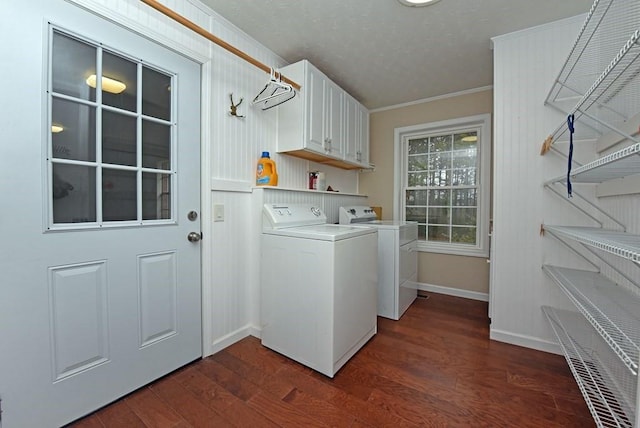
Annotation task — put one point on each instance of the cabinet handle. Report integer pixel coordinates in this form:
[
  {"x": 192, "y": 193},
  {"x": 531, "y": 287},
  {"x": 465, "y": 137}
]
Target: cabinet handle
[{"x": 327, "y": 143}]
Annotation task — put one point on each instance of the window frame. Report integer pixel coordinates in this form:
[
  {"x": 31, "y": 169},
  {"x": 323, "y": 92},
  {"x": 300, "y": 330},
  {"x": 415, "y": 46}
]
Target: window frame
[
  {"x": 49, "y": 160},
  {"x": 480, "y": 123}
]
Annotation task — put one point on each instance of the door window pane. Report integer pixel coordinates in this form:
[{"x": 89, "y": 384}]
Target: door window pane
[
  {"x": 74, "y": 193},
  {"x": 119, "y": 72},
  {"x": 156, "y": 196},
  {"x": 73, "y": 62},
  {"x": 119, "y": 190},
  {"x": 118, "y": 139},
  {"x": 156, "y": 94},
  {"x": 75, "y": 138},
  {"x": 156, "y": 145},
  {"x": 112, "y": 151}
]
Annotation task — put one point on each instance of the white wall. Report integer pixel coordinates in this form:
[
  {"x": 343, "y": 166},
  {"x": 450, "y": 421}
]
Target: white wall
[{"x": 526, "y": 64}]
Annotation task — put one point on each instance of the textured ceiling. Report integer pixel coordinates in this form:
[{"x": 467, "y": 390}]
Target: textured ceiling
[{"x": 384, "y": 53}]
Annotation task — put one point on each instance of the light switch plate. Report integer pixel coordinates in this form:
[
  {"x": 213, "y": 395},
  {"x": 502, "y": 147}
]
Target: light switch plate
[{"x": 218, "y": 212}]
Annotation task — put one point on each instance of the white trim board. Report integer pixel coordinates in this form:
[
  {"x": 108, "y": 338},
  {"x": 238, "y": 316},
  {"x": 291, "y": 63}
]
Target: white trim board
[
  {"x": 457, "y": 292},
  {"x": 435, "y": 98},
  {"x": 525, "y": 341},
  {"x": 235, "y": 336}
]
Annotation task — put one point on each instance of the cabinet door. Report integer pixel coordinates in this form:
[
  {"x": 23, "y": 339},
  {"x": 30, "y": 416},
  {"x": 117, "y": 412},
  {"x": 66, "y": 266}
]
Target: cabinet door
[
  {"x": 315, "y": 111},
  {"x": 351, "y": 129},
  {"x": 362, "y": 121},
  {"x": 333, "y": 119}
]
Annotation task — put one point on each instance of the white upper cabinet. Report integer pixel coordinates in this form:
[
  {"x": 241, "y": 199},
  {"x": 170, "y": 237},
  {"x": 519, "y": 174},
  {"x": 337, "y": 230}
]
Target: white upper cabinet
[
  {"x": 362, "y": 137},
  {"x": 323, "y": 123},
  {"x": 356, "y": 130},
  {"x": 333, "y": 101},
  {"x": 315, "y": 129}
]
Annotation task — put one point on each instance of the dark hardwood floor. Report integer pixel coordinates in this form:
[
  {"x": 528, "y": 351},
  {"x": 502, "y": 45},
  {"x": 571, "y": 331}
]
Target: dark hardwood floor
[{"x": 434, "y": 367}]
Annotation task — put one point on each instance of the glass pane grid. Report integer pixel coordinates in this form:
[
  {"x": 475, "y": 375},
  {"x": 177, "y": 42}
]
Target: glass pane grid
[
  {"x": 112, "y": 138},
  {"x": 441, "y": 187}
]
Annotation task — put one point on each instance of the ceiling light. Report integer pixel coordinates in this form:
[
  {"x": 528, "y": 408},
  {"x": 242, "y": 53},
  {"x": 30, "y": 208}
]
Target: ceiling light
[
  {"x": 56, "y": 128},
  {"x": 470, "y": 138},
  {"x": 109, "y": 85},
  {"x": 417, "y": 3}
]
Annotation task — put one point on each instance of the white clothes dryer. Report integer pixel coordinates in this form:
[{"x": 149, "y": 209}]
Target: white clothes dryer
[
  {"x": 318, "y": 286},
  {"x": 397, "y": 259}
]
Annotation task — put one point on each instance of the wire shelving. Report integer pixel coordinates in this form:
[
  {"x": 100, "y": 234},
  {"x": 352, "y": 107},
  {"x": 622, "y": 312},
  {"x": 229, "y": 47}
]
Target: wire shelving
[
  {"x": 610, "y": 395},
  {"x": 611, "y": 309}
]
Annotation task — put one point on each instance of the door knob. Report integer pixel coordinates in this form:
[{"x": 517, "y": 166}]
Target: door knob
[{"x": 194, "y": 237}]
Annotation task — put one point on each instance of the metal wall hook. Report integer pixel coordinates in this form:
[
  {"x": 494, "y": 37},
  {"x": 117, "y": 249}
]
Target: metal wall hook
[{"x": 233, "y": 109}]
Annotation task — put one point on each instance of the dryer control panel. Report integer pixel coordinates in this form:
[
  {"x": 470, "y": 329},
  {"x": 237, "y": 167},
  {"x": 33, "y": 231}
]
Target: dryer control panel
[{"x": 357, "y": 214}]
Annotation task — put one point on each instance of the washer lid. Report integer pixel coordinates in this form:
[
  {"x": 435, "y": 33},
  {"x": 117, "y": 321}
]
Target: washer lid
[{"x": 323, "y": 232}]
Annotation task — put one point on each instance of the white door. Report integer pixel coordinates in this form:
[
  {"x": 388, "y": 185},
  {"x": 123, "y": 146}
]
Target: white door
[{"x": 100, "y": 291}]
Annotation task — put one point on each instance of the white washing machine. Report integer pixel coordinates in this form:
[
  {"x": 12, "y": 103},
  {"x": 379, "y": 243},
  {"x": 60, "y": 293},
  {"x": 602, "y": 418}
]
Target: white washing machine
[
  {"x": 397, "y": 259},
  {"x": 318, "y": 286}
]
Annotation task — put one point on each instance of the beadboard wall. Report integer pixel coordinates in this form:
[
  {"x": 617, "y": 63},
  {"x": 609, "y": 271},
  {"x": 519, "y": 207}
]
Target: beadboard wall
[
  {"x": 230, "y": 148},
  {"x": 525, "y": 65}
]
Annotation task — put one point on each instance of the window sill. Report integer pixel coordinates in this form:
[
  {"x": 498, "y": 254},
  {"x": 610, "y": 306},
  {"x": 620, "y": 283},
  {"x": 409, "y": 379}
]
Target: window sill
[{"x": 452, "y": 250}]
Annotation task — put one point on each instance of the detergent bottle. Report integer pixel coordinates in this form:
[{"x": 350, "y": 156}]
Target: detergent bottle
[{"x": 266, "y": 174}]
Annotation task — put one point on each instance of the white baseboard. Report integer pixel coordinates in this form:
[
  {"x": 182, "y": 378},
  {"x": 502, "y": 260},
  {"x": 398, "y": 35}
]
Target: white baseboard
[
  {"x": 525, "y": 341},
  {"x": 450, "y": 291},
  {"x": 233, "y": 337}
]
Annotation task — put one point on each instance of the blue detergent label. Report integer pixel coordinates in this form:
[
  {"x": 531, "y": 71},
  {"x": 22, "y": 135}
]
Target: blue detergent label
[{"x": 260, "y": 177}]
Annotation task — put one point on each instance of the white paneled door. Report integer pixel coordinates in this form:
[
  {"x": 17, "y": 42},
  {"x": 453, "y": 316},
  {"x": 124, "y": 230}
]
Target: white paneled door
[{"x": 100, "y": 221}]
